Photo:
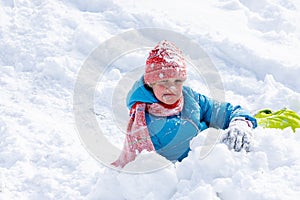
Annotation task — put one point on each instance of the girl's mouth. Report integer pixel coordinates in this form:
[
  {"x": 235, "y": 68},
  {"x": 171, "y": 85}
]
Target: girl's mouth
[{"x": 168, "y": 96}]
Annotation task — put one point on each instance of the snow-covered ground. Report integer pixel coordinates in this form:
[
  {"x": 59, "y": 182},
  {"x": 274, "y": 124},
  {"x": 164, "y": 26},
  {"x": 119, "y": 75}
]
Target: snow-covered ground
[{"x": 254, "y": 44}]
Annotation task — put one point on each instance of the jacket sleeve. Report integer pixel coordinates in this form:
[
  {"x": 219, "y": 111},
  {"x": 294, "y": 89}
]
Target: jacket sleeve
[{"x": 219, "y": 114}]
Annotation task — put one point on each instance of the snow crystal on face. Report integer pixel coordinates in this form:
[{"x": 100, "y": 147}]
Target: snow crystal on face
[
  {"x": 152, "y": 65},
  {"x": 161, "y": 75}
]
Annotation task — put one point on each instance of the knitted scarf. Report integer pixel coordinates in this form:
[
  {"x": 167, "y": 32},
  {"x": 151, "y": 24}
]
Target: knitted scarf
[{"x": 137, "y": 137}]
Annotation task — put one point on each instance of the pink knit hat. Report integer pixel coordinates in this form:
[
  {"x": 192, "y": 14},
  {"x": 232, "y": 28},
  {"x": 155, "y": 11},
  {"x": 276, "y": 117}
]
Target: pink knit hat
[{"x": 165, "y": 61}]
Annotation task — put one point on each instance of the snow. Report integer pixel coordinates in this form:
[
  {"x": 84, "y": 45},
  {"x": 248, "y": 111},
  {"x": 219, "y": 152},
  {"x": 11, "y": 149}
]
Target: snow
[{"x": 44, "y": 44}]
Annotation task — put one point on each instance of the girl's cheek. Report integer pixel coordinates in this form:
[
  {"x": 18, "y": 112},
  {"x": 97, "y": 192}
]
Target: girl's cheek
[
  {"x": 160, "y": 92},
  {"x": 160, "y": 89},
  {"x": 173, "y": 88}
]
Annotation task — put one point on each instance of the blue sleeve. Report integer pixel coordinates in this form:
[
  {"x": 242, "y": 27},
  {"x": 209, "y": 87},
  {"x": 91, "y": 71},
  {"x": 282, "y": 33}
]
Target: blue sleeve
[{"x": 219, "y": 114}]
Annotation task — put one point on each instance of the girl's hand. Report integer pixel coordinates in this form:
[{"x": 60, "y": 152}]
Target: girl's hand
[{"x": 238, "y": 135}]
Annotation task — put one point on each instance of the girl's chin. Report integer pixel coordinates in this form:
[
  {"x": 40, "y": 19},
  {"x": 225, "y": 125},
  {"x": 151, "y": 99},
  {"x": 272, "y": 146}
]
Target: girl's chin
[{"x": 169, "y": 99}]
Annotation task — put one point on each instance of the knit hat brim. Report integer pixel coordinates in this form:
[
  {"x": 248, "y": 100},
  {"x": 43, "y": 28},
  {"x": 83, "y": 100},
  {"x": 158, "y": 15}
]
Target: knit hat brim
[{"x": 165, "y": 73}]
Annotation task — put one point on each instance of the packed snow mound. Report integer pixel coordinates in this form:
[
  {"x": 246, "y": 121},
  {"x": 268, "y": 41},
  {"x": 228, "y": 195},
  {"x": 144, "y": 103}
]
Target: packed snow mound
[
  {"x": 220, "y": 174},
  {"x": 244, "y": 175}
]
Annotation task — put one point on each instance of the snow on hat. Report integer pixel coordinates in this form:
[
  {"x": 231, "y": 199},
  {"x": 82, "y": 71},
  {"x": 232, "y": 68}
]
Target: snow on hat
[{"x": 165, "y": 61}]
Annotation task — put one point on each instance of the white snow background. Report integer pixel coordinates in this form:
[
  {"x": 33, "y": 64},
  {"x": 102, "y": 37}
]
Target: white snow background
[{"x": 255, "y": 45}]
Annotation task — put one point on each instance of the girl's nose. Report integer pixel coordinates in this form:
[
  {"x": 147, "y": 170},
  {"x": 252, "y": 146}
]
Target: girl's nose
[
  {"x": 170, "y": 84},
  {"x": 172, "y": 88}
]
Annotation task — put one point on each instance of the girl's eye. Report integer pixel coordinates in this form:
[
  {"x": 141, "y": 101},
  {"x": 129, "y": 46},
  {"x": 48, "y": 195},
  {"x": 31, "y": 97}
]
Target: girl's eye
[
  {"x": 162, "y": 82},
  {"x": 178, "y": 81},
  {"x": 165, "y": 82}
]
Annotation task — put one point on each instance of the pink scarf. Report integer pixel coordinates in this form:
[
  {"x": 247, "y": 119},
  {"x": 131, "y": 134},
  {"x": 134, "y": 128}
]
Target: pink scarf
[{"x": 137, "y": 137}]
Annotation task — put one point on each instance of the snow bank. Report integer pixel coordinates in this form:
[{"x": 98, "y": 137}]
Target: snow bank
[
  {"x": 221, "y": 174},
  {"x": 253, "y": 44},
  {"x": 244, "y": 175}
]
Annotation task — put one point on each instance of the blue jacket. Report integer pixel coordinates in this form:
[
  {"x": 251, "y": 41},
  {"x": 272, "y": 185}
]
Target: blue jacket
[{"x": 171, "y": 135}]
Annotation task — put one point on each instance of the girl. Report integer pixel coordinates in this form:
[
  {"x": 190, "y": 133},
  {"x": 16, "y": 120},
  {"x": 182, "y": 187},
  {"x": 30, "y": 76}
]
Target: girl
[{"x": 165, "y": 115}]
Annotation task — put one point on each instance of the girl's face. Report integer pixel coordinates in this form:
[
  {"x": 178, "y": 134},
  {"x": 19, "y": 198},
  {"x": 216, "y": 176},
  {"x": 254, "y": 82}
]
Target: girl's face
[{"x": 168, "y": 91}]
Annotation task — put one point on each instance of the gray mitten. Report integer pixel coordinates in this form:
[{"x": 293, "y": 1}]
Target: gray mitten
[{"x": 238, "y": 135}]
